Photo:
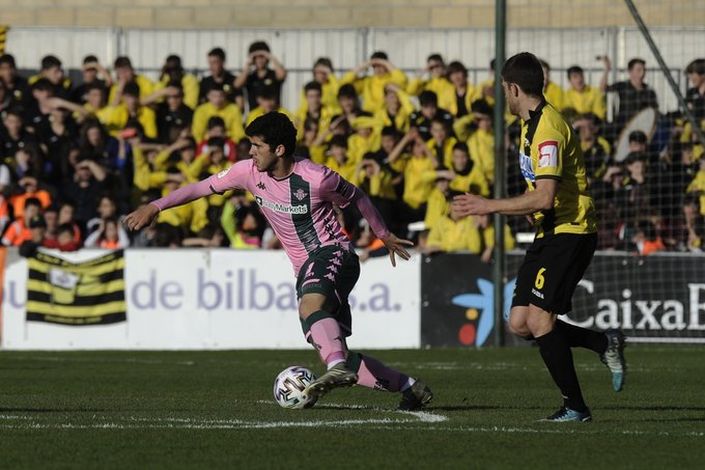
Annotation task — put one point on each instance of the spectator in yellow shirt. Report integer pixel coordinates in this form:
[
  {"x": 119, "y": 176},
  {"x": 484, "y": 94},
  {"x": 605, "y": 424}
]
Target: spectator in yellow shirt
[
  {"x": 218, "y": 106},
  {"x": 312, "y": 110},
  {"x": 173, "y": 71},
  {"x": 419, "y": 171},
  {"x": 129, "y": 114},
  {"x": 397, "y": 108},
  {"x": 434, "y": 79},
  {"x": 267, "y": 102},
  {"x": 551, "y": 91},
  {"x": 697, "y": 186},
  {"x": 323, "y": 75},
  {"x": 125, "y": 73},
  {"x": 438, "y": 203},
  {"x": 371, "y": 87},
  {"x": 597, "y": 152},
  {"x": 463, "y": 92},
  {"x": 481, "y": 142},
  {"x": 339, "y": 161},
  {"x": 465, "y": 176},
  {"x": 582, "y": 97},
  {"x": 366, "y": 137},
  {"x": 441, "y": 143}
]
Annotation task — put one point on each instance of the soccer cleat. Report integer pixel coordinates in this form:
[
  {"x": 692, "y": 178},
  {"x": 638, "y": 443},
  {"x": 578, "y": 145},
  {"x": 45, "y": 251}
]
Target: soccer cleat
[
  {"x": 415, "y": 397},
  {"x": 566, "y": 415},
  {"x": 613, "y": 358},
  {"x": 336, "y": 376}
]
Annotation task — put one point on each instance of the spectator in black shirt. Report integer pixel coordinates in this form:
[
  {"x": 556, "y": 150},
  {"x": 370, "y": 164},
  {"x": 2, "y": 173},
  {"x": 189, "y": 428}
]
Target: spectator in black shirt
[
  {"x": 429, "y": 111},
  {"x": 219, "y": 75},
  {"x": 695, "y": 96},
  {"x": 94, "y": 75},
  {"x": 173, "y": 116},
  {"x": 52, "y": 70},
  {"x": 634, "y": 94},
  {"x": 13, "y": 134},
  {"x": 17, "y": 85},
  {"x": 85, "y": 189},
  {"x": 256, "y": 75}
]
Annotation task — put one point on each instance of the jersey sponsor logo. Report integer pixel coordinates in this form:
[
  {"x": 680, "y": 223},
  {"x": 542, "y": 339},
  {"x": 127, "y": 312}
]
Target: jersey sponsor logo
[
  {"x": 222, "y": 173},
  {"x": 526, "y": 169},
  {"x": 300, "y": 194},
  {"x": 548, "y": 154},
  {"x": 284, "y": 208}
]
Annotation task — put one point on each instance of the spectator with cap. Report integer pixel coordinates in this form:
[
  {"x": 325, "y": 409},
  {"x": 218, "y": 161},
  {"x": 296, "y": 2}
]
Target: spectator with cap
[
  {"x": 37, "y": 239},
  {"x": 256, "y": 74},
  {"x": 371, "y": 87}
]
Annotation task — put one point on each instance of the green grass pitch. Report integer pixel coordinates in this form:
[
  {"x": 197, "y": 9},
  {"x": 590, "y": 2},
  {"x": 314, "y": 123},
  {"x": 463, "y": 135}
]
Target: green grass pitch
[{"x": 215, "y": 410}]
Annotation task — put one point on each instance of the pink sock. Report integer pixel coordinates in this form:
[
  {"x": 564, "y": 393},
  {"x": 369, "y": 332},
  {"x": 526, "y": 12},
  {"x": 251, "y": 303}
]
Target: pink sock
[
  {"x": 374, "y": 374},
  {"x": 328, "y": 340}
]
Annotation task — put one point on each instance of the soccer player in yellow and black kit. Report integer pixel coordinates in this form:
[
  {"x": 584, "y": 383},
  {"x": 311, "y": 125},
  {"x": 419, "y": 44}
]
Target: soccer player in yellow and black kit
[{"x": 552, "y": 164}]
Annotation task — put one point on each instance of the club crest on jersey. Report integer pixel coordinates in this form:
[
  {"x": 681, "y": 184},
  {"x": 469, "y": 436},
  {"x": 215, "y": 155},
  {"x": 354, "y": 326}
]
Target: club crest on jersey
[
  {"x": 261, "y": 186},
  {"x": 279, "y": 207},
  {"x": 300, "y": 194}
]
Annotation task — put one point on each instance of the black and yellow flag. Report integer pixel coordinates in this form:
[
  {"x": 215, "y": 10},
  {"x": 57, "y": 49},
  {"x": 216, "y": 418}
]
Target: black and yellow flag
[{"x": 87, "y": 293}]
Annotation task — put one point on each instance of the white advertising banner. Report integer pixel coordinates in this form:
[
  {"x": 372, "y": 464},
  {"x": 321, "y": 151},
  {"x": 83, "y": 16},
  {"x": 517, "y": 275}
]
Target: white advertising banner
[{"x": 219, "y": 299}]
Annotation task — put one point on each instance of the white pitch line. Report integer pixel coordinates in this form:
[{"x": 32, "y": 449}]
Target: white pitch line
[{"x": 422, "y": 416}]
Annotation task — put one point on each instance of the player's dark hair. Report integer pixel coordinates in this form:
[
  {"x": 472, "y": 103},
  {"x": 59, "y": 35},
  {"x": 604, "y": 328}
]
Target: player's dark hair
[
  {"x": 428, "y": 98},
  {"x": 8, "y": 59},
  {"x": 313, "y": 86},
  {"x": 574, "y": 69},
  {"x": 50, "y": 61},
  {"x": 258, "y": 46},
  {"x": 524, "y": 70},
  {"x": 455, "y": 67},
  {"x": 697, "y": 66},
  {"x": 217, "y": 52},
  {"x": 122, "y": 62},
  {"x": 634, "y": 61},
  {"x": 275, "y": 129},
  {"x": 379, "y": 55}
]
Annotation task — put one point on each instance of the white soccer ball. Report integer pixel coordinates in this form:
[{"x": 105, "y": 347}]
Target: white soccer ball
[{"x": 290, "y": 387}]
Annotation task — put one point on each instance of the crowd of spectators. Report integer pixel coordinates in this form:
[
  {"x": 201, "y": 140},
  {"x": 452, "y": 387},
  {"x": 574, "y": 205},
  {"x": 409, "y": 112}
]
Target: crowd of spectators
[{"x": 77, "y": 156}]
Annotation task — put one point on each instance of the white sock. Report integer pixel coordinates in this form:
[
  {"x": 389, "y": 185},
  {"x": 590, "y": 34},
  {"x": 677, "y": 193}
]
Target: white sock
[
  {"x": 409, "y": 382},
  {"x": 334, "y": 363}
]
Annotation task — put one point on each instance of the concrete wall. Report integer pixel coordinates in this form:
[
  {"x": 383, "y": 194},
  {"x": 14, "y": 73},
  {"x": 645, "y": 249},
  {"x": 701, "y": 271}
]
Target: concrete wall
[{"x": 342, "y": 13}]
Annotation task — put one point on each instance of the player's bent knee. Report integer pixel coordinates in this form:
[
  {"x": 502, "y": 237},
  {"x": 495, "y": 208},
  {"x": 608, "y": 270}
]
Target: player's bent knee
[
  {"x": 517, "y": 321},
  {"x": 311, "y": 303},
  {"x": 539, "y": 321}
]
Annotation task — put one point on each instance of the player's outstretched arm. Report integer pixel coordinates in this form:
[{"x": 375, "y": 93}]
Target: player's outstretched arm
[
  {"x": 143, "y": 216},
  {"x": 532, "y": 201}
]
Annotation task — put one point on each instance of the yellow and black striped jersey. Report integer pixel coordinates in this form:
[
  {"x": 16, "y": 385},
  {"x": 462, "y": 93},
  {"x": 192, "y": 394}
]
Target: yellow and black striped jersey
[{"x": 550, "y": 149}]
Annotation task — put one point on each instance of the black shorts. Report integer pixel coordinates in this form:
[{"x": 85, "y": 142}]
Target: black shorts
[
  {"x": 331, "y": 271},
  {"x": 552, "y": 268}
]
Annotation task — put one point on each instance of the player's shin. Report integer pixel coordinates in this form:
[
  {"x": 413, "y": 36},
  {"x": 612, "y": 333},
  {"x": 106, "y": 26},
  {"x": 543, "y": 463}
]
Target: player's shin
[
  {"x": 325, "y": 335},
  {"x": 558, "y": 358},
  {"x": 373, "y": 374}
]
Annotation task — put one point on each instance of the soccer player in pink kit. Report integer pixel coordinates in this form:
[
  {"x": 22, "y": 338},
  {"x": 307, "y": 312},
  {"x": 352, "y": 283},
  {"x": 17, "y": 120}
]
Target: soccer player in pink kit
[{"x": 298, "y": 197}]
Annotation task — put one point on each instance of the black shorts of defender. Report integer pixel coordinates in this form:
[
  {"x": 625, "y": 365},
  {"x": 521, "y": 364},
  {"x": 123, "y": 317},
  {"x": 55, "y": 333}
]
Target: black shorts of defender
[
  {"x": 552, "y": 268},
  {"x": 331, "y": 271}
]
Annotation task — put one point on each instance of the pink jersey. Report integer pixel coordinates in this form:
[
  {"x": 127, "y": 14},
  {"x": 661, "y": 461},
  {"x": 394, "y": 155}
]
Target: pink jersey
[{"x": 299, "y": 207}]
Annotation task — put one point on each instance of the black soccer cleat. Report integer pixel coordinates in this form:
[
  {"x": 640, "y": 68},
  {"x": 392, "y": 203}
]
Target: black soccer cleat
[{"x": 415, "y": 397}]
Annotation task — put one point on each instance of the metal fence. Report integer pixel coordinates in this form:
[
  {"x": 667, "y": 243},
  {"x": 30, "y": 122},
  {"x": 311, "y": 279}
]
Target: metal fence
[{"x": 407, "y": 48}]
